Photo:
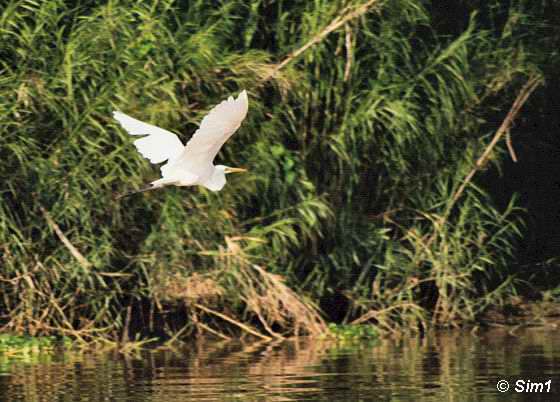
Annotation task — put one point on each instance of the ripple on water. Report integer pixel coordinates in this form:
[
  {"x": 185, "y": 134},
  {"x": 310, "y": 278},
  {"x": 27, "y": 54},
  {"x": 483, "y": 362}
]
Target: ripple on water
[{"x": 450, "y": 365}]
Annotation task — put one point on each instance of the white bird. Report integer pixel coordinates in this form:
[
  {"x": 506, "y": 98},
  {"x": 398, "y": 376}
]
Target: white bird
[{"x": 191, "y": 164}]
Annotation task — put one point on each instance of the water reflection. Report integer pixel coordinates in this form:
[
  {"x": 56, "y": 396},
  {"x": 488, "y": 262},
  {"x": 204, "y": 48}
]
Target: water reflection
[{"x": 444, "y": 366}]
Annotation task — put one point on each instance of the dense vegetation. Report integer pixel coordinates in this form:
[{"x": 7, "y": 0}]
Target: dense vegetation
[{"x": 369, "y": 130}]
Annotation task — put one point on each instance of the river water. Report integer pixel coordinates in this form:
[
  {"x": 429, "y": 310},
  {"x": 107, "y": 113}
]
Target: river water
[{"x": 440, "y": 366}]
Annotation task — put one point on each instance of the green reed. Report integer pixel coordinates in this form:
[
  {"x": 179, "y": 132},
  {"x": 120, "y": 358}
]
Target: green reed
[{"x": 354, "y": 150}]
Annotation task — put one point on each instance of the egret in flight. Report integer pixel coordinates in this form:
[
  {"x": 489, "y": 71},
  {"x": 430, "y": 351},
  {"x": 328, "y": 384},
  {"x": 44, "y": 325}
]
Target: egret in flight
[{"x": 191, "y": 164}]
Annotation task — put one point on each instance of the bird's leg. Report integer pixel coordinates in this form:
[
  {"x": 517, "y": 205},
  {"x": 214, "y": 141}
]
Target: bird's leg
[
  {"x": 149, "y": 187},
  {"x": 152, "y": 186}
]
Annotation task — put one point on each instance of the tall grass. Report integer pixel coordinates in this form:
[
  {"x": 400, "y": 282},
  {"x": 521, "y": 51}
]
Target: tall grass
[{"x": 354, "y": 147}]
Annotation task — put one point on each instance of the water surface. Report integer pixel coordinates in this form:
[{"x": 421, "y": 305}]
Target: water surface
[{"x": 443, "y": 366}]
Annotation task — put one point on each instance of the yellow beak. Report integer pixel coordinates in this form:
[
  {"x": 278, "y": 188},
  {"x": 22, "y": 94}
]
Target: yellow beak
[{"x": 235, "y": 170}]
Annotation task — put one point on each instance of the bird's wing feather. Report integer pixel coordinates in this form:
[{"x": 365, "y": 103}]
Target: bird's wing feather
[
  {"x": 215, "y": 129},
  {"x": 158, "y": 145}
]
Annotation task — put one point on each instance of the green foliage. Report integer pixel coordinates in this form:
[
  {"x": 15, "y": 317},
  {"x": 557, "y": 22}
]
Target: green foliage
[
  {"x": 354, "y": 151},
  {"x": 14, "y": 344},
  {"x": 353, "y": 332}
]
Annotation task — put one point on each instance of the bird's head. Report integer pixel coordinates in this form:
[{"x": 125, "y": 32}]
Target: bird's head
[{"x": 217, "y": 180}]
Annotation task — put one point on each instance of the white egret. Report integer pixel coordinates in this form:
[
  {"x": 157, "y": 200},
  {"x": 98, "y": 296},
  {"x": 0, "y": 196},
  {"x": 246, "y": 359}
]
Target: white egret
[{"x": 191, "y": 164}]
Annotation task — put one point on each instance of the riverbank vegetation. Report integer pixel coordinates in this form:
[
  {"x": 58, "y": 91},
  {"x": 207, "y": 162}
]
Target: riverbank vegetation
[
  {"x": 376, "y": 139},
  {"x": 15, "y": 345}
]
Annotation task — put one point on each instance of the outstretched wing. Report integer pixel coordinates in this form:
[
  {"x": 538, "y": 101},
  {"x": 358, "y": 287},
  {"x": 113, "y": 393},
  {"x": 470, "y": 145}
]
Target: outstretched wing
[
  {"x": 215, "y": 129},
  {"x": 158, "y": 146}
]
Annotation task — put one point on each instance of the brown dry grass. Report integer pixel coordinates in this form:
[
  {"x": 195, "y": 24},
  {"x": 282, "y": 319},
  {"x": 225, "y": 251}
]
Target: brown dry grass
[{"x": 270, "y": 299}]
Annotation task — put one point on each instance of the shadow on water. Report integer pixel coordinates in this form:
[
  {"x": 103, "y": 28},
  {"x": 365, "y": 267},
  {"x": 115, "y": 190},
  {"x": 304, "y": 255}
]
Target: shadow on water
[{"x": 454, "y": 366}]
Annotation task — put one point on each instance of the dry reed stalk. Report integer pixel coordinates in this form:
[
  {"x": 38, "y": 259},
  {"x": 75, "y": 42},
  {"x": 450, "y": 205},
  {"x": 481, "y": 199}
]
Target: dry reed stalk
[
  {"x": 213, "y": 332},
  {"x": 287, "y": 304},
  {"x": 224, "y": 317},
  {"x": 73, "y": 250},
  {"x": 522, "y": 97},
  {"x": 348, "y": 43},
  {"x": 266, "y": 295},
  {"x": 531, "y": 84},
  {"x": 333, "y": 26},
  {"x": 510, "y": 147},
  {"x": 379, "y": 314}
]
